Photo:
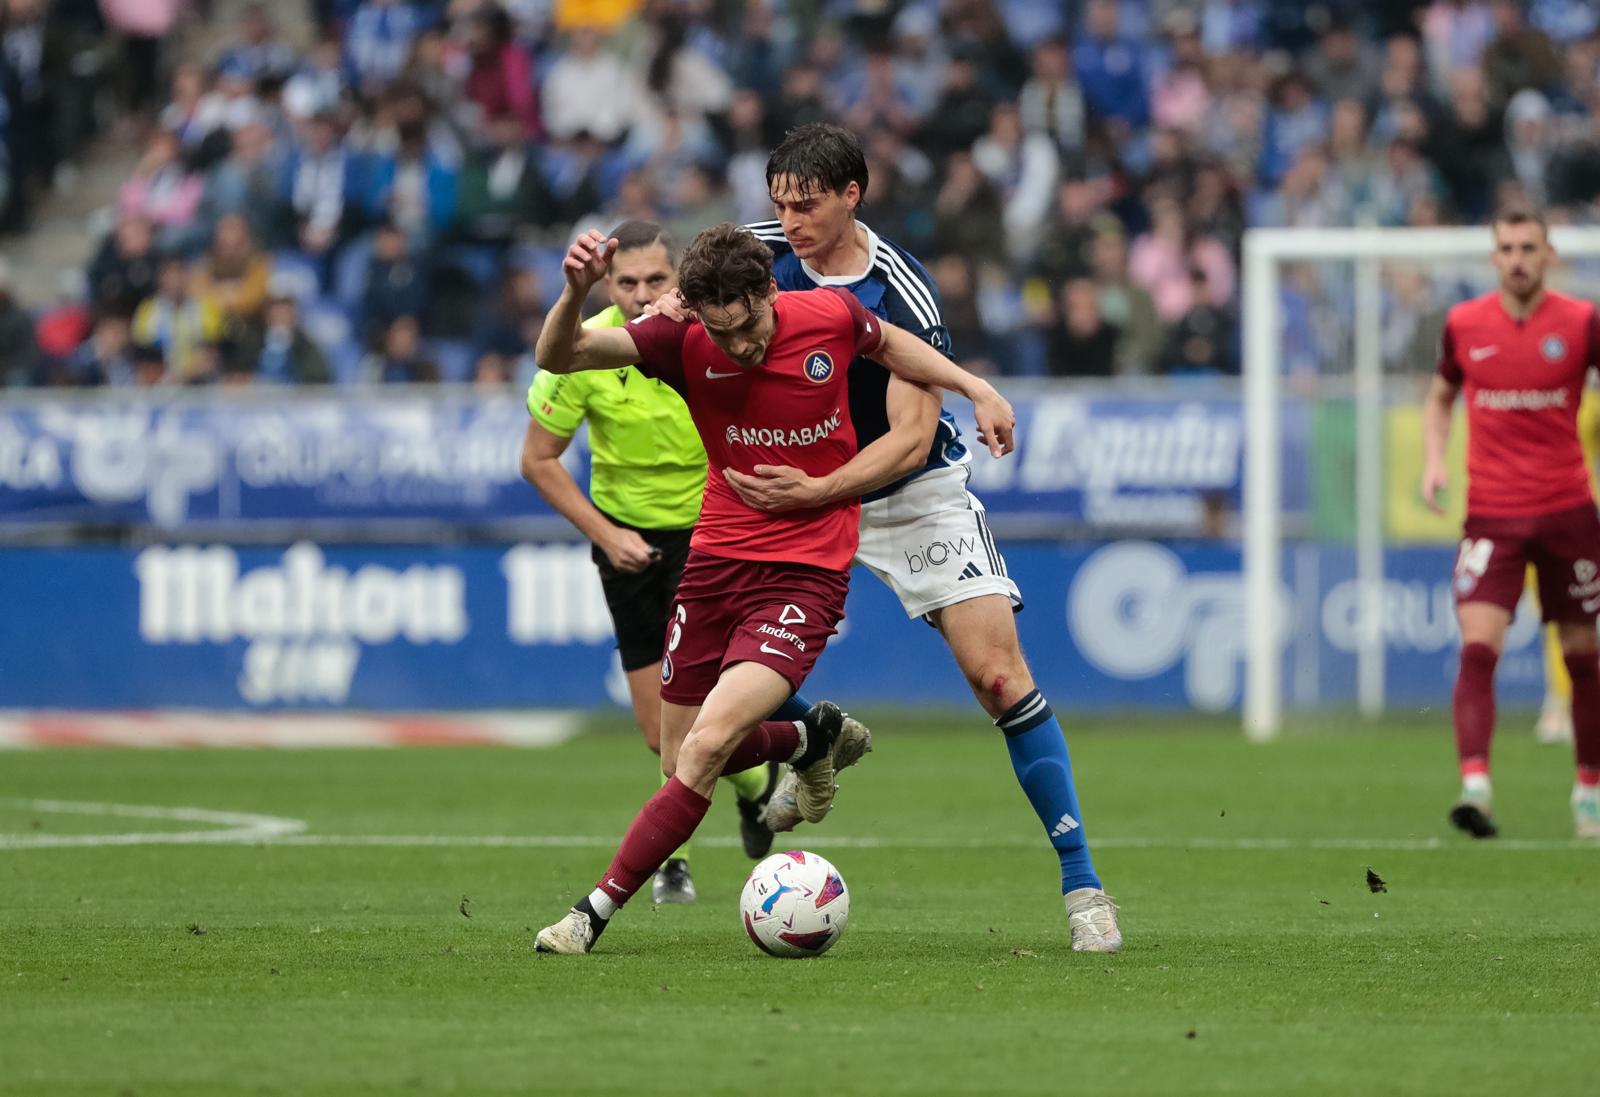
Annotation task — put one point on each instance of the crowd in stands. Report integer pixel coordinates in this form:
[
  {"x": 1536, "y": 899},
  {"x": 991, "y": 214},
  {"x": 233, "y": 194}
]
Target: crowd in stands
[{"x": 390, "y": 203}]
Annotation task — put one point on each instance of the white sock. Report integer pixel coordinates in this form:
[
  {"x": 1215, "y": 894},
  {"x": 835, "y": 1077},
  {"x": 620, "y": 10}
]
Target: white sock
[
  {"x": 602, "y": 903},
  {"x": 1475, "y": 786},
  {"x": 800, "y": 726}
]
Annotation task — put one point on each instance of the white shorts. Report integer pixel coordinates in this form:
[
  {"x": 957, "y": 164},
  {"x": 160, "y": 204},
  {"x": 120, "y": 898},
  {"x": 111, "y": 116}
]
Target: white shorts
[{"x": 930, "y": 544}]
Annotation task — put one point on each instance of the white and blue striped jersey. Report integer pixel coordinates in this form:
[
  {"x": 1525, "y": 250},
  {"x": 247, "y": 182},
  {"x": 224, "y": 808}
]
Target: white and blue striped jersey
[{"x": 899, "y": 291}]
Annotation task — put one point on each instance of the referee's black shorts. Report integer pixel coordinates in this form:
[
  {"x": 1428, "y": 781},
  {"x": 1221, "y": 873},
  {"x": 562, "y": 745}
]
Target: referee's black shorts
[{"x": 641, "y": 603}]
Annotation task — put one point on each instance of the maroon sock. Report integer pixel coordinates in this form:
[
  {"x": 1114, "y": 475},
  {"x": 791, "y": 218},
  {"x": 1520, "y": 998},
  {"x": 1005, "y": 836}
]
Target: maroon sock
[
  {"x": 1585, "y": 672},
  {"x": 772, "y": 741},
  {"x": 664, "y": 823},
  {"x": 1474, "y": 706}
]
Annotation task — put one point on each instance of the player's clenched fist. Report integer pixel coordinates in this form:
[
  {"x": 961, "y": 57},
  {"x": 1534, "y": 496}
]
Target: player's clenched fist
[
  {"x": 587, "y": 260},
  {"x": 997, "y": 421}
]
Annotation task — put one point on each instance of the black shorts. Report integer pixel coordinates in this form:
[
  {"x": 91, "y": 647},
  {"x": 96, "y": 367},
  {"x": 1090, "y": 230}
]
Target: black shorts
[{"x": 640, "y": 603}]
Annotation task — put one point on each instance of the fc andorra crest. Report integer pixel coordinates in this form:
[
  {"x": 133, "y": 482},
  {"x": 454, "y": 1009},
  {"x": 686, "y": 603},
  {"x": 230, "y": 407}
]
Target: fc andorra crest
[
  {"x": 819, "y": 366},
  {"x": 1554, "y": 348}
]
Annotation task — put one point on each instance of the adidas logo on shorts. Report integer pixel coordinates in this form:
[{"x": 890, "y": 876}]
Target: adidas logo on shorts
[{"x": 969, "y": 572}]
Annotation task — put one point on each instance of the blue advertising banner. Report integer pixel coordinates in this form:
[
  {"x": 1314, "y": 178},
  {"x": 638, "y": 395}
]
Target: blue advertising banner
[
  {"x": 1132, "y": 624},
  {"x": 1085, "y": 461}
]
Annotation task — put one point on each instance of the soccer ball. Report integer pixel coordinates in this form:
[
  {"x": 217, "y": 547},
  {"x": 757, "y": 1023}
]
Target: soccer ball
[{"x": 794, "y": 905}]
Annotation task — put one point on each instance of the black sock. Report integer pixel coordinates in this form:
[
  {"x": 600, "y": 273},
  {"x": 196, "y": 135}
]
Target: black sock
[
  {"x": 595, "y": 921},
  {"x": 818, "y": 740}
]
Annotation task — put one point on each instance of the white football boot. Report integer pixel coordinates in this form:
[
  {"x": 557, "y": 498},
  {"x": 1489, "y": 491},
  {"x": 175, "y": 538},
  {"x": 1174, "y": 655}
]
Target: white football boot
[
  {"x": 1586, "y": 811},
  {"x": 848, "y": 740},
  {"x": 572, "y": 936},
  {"x": 1092, "y": 918}
]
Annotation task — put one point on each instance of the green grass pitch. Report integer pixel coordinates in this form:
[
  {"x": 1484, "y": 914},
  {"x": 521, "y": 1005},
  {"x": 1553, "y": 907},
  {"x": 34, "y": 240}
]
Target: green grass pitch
[{"x": 355, "y": 960}]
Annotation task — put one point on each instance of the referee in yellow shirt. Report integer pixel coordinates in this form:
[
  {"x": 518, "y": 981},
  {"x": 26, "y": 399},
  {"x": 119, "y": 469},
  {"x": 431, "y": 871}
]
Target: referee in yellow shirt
[{"x": 647, "y": 471}]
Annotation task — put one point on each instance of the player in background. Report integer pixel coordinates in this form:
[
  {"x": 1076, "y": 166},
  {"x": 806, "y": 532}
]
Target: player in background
[
  {"x": 765, "y": 378},
  {"x": 1555, "y": 715},
  {"x": 817, "y": 178},
  {"x": 647, "y": 471},
  {"x": 1521, "y": 355}
]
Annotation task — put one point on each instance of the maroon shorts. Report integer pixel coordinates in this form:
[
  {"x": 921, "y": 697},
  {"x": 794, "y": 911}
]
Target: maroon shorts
[
  {"x": 1564, "y": 549},
  {"x": 747, "y": 611}
]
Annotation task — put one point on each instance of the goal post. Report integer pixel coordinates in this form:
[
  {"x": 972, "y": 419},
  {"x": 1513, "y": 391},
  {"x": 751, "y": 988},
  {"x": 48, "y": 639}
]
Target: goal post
[{"x": 1362, "y": 253}]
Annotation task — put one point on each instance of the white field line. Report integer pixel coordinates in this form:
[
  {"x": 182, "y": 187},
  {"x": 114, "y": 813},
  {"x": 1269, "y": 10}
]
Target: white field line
[
  {"x": 252, "y": 829},
  {"x": 239, "y": 826}
]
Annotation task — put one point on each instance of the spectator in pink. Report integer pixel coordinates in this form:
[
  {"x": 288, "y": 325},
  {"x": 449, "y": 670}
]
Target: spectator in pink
[
  {"x": 162, "y": 190},
  {"x": 500, "y": 80},
  {"x": 1162, "y": 258}
]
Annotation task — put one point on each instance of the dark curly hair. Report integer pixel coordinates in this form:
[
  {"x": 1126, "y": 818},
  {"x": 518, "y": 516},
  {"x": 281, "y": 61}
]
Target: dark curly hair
[{"x": 724, "y": 264}]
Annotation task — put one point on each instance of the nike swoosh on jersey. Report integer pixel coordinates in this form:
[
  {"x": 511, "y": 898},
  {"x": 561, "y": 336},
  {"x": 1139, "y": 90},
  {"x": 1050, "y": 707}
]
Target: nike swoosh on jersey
[
  {"x": 719, "y": 376},
  {"x": 1478, "y": 354},
  {"x": 774, "y": 651}
]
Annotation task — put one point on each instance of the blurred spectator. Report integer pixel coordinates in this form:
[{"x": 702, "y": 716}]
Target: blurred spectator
[
  {"x": 378, "y": 41},
  {"x": 1065, "y": 243},
  {"x": 1162, "y": 258},
  {"x": 502, "y": 190},
  {"x": 1181, "y": 96},
  {"x": 399, "y": 357},
  {"x": 500, "y": 79},
  {"x": 1465, "y": 143},
  {"x": 123, "y": 271},
  {"x": 1081, "y": 342},
  {"x": 317, "y": 181},
  {"x": 879, "y": 100},
  {"x": 106, "y": 357},
  {"x": 747, "y": 160},
  {"x": 1112, "y": 68},
  {"x": 1201, "y": 341},
  {"x": 961, "y": 114},
  {"x": 194, "y": 111},
  {"x": 395, "y": 284},
  {"x": 27, "y": 77},
  {"x": 232, "y": 276},
  {"x": 247, "y": 183},
  {"x": 510, "y": 330},
  {"x": 149, "y": 365},
  {"x": 1050, "y": 103},
  {"x": 1023, "y": 168},
  {"x": 968, "y": 219},
  {"x": 1123, "y": 304},
  {"x": 1297, "y": 120},
  {"x": 178, "y": 322},
  {"x": 280, "y": 351},
  {"x": 1306, "y": 198},
  {"x": 1342, "y": 66},
  {"x": 956, "y": 280},
  {"x": 163, "y": 191},
  {"x": 260, "y": 52},
  {"x": 1527, "y": 145},
  {"x": 572, "y": 105},
  {"x": 318, "y": 84},
  {"x": 1402, "y": 177},
  {"x": 19, "y": 351},
  {"x": 60, "y": 328},
  {"x": 1520, "y": 56}
]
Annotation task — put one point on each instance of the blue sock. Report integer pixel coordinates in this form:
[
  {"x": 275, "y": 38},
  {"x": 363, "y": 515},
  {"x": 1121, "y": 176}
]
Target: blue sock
[
  {"x": 1044, "y": 770},
  {"x": 795, "y": 708}
]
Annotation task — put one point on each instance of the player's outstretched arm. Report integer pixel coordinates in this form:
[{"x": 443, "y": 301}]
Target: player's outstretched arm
[
  {"x": 1437, "y": 410},
  {"x": 908, "y": 357},
  {"x": 565, "y": 345},
  {"x": 913, "y": 411}
]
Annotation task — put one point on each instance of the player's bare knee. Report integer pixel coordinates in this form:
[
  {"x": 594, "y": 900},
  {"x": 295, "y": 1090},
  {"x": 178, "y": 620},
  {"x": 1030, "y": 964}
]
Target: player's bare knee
[
  {"x": 999, "y": 680},
  {"x": 704, "y": 751}
]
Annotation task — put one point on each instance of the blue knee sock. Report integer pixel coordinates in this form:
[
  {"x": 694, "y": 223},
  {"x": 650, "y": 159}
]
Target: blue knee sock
[
  {"x": 795, "y": 708},
  {"x": 1044, "y": 770}
]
